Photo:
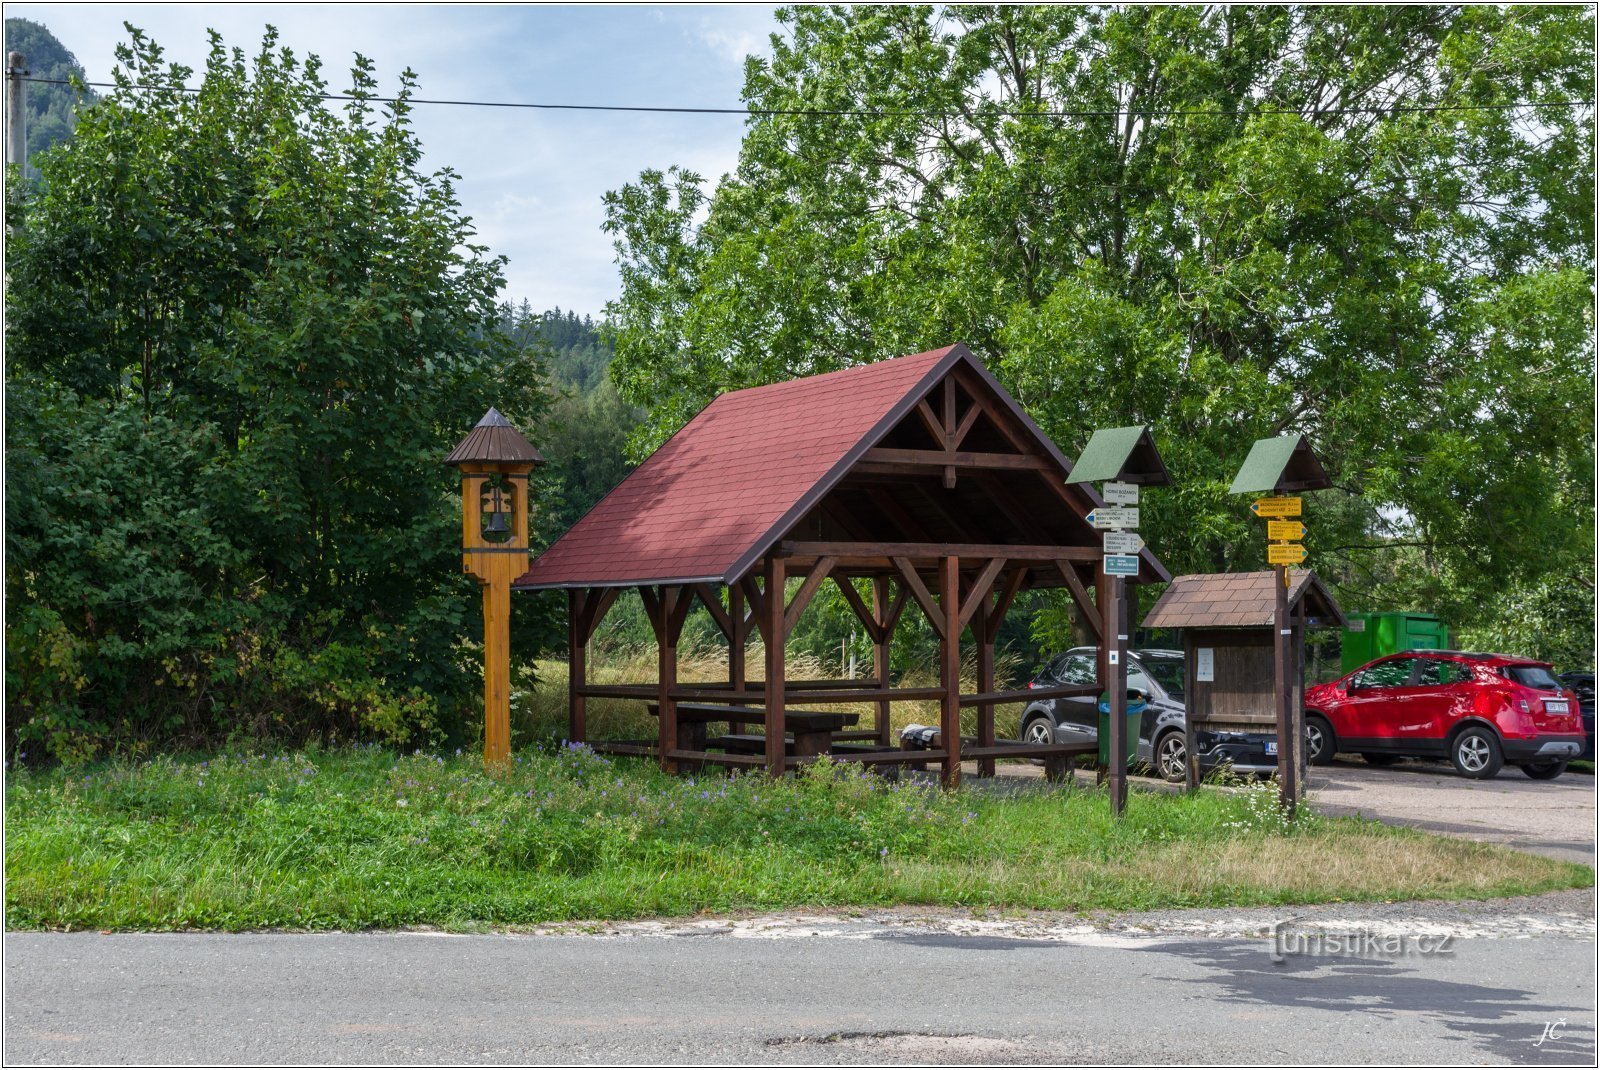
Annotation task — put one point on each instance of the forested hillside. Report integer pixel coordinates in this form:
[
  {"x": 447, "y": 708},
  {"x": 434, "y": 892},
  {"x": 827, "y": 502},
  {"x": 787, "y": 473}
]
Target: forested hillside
[{"x": 51, "y": 109}]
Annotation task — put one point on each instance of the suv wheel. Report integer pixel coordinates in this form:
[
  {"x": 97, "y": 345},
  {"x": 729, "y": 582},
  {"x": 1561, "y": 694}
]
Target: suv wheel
[
  {"x": 1475, "y": 753},
  {"x": 1039, "y": 730},
  {"x": 1172, "y": 758},
  {"x": 1320, "y": 742}
]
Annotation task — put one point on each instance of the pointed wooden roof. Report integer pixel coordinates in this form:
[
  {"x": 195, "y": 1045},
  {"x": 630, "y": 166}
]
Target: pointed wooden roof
[
  {"x": 828, "y": 457},
  {"x": 1240, "y": 600},
  {"x": 494, "y": 441}
]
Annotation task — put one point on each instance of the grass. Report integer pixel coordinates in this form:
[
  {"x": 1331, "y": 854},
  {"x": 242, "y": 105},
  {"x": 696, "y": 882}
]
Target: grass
[{"x": 364, "y": 837}]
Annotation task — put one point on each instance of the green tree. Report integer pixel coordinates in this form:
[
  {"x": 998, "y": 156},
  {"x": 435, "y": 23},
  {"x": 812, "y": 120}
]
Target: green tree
[
  {"x": 243, "y": 328},
  {"x": 1371, "y": 224}
]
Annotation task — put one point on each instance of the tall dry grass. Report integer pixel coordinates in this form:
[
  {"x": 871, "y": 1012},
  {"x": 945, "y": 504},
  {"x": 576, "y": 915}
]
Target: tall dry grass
[{"x": 539, "y": 701}]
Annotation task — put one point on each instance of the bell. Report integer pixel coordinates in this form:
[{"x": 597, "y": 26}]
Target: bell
[{"x": 497, "y": 514}]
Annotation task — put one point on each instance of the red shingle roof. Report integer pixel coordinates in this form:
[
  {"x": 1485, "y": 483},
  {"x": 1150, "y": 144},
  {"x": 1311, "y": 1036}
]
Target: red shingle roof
[
  {"x": 735, "y": 477},
  {"x": 1239, "y": 600}
]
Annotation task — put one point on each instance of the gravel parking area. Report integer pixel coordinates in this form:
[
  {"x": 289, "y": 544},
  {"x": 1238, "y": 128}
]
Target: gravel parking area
[{"x": 1551, "y": 817}]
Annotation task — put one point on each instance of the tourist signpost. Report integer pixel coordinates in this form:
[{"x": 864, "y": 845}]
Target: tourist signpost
[
  {"x": 1277, "y": 466},
  {"x": 1121, "y": 459}
]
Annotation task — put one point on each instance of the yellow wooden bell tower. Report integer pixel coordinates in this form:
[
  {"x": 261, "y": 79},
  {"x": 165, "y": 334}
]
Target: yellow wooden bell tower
[{"x": 495, "y": 462}]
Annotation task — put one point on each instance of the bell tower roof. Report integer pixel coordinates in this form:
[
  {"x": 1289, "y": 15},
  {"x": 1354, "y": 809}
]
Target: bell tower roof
[{"x": 494, "y": 441}]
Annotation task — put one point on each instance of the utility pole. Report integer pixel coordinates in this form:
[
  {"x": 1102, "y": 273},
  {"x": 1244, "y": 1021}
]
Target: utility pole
[{"x": 16, "y": 119}]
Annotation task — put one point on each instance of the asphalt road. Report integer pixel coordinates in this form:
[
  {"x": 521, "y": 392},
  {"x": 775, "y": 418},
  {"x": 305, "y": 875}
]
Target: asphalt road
[{"x": 1516, "y": 984}]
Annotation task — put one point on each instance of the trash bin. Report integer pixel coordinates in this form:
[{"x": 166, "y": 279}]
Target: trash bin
[{"x": 1137, "y": 701}]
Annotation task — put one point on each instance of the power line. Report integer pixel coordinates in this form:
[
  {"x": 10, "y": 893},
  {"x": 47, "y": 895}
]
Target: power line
[{"x": 1392, "y": 109}]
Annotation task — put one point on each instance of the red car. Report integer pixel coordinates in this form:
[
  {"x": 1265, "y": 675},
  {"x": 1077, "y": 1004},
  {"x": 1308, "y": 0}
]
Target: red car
[{"x": 1478, "y": 710}]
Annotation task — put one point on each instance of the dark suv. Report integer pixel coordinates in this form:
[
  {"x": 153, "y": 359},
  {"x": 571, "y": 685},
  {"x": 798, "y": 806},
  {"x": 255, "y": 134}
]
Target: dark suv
[
  {"x": 1582, "y": 685},
  {"x": 1158, "y": 675}
]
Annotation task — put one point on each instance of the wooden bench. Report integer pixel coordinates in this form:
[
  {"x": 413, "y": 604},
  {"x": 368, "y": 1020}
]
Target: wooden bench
[{"x": 806, "y": 733}]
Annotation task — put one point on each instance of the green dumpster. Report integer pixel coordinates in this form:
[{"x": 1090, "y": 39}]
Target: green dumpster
[
  {"x": 1135, "y": 713},
  {"x": 1372, "y": 635}
]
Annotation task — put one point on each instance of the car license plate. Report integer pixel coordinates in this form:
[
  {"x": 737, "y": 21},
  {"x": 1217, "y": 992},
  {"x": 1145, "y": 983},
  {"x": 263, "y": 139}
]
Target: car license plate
[
  {"x": 1555, "y": 705},
  {"x": 1272, "y": 747}
]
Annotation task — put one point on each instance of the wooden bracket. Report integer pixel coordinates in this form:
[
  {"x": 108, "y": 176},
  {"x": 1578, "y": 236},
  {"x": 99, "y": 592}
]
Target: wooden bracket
[
  {"x": 982, "y": 587},
  {"x": 802, "y": 598},
  {"x": 913, "y": 583}
]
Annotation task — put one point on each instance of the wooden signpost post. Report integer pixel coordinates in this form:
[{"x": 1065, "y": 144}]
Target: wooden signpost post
[
  {"x": 1123, "y": 458},
  {"x": 1276, "y": 466},
  {"x": 495, "y": 462}
]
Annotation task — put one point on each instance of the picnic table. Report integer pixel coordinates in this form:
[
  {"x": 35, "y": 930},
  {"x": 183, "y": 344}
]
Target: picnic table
[{"x": 809, "y": 732}]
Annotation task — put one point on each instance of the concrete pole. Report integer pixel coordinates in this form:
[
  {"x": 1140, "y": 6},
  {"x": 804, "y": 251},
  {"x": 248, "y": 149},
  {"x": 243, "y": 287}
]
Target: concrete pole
[{"x": 16, "y": 118}]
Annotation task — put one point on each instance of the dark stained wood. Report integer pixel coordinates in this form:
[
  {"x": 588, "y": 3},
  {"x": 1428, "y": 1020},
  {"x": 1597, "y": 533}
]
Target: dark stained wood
[
  {"x": 758, "y": 602},
  {"x": 815, "y": 578},
  {"x": 652, "y": 610},
  {"x": 930, "y": 421},
  {"x": 773, "y": 699},
  {"x": 979, "y": 616},
  {"x": 738, "y": 635},
  {"x": 950, "y": 669},
  {"x": 866, "y": 616},
  {"x": 618, "y": 690},
  {"x": 1087, "y": 610},
  {"x": 1007, "y": 595},
  {"x": 670, "y": 627},
  {"x": 914, "y": 462},
  {"x": 708, "y": 598},
  {"x": 891, "y": 508},
  {"x": 577, "y": 665},
  {"x": 919, "y": 591},
  {"x": 1030, "y": 694},
  {"x": 887, "y": 615},
  {"x": 982, "y": 590},
  {"x": 934, "y": 552}
]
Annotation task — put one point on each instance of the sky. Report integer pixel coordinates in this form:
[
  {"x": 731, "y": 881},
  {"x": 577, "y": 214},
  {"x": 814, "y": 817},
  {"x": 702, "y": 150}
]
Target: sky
[{"x": 532, "y": 181}]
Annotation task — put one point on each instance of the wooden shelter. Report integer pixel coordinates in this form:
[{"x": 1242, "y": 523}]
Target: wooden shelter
[
  {"x": 1228, "y": 645},
  {"x": 921, "y": 476}
]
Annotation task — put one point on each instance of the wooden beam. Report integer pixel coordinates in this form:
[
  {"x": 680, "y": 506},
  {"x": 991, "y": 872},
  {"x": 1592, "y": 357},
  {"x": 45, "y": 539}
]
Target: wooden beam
[
  {"x": 930, "y": 421},
  {"x": 984, "y": 664},
  {"x": 652, "y": 610},
  {"x": 852, "y": 598},
  {"x": 577, "y": 665},
  {"x": 912, "y": 582},
  {"x": 1080, "y": 595},
  {"x": 1002, "y": 605},
  {"x": 802, "y": 598},
  {"x": 982, "y": 588},
  {"x": 880, "y": 649},
  {"x": 932, "y": 552},
  {"x": 713, "y": 604},
  {"x": 965, "y": 426},
  {"x": 597, "y": 605},
  {"x": 757, "y": 600},
  {"x": 950, "y": 671},
  {"x": 671, "y": 623},
  {"x": 773, "y": 699},
  {"x": 916, "y": 460}
]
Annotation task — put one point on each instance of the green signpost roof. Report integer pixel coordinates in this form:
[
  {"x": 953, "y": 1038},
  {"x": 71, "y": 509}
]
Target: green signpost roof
[
  {"x": 1277, "y": 465},
  {"x": 1124, "y": 454}
]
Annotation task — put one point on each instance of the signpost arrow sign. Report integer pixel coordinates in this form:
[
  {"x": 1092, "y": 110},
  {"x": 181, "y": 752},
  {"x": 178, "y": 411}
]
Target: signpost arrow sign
[
  {"x": 1285, "y": 529},
  {"x": 1286, "y": 554},
  {"x": 1276, "y": 506},
  {"x": 1121, "y": 565},
  {"x": 1123, "y": 542},
  {"x": 1114, "y": 517}
]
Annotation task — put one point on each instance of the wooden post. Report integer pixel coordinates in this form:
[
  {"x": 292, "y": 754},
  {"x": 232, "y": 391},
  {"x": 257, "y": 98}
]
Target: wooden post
[
  {"x": 577, "y": 665},
  {"x": 1288, "y": 778},
  {"x": 773, "y": 600},
  {"x": 740, "y": 629},
  {"x": 983, "y": 632},
  {"x": 1191, "y": 747},
  {"x": 667, "y": 675},
  {"x": 880, "y": 653},
  {"x": 1114, "y": 641},
  {"x": 497, "y": 672},
  {"x": 950, "y": 668}
]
